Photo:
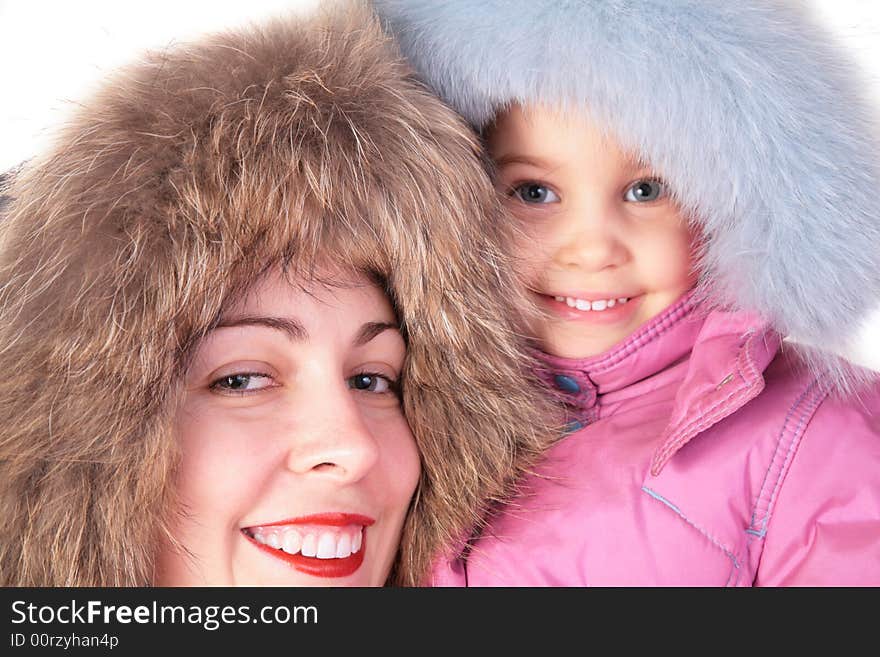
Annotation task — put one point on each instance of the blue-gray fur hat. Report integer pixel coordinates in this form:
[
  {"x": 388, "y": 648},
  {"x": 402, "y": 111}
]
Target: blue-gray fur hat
[{"x": 749, "y": 109}]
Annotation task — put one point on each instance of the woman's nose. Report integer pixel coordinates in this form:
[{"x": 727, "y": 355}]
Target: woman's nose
[
  {"x": 332, "y": 439},
  {"x": 588, "y": 239}
]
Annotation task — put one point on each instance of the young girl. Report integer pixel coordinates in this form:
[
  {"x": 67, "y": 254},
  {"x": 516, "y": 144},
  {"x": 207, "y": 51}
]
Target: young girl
[
  {"x": 224, "y": 293},
  {"x": 694, "y": 180}
]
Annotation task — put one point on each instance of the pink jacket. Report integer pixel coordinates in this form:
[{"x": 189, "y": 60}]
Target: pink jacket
[{"x": 706, "y": 457}]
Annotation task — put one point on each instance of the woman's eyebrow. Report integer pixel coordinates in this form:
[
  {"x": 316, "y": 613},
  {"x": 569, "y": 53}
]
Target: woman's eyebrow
[
  {"x": 294, "y": 330},
  {"x": 298, "y": 333},
  {"x": 371, "y": 329}
]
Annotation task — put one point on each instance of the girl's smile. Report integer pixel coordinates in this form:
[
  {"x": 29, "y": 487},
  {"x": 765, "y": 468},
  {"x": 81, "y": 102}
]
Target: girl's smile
[{"x": 599, "y": 309}]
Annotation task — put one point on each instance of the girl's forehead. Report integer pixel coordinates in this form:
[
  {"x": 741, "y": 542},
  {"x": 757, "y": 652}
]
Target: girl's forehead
[{"x": 553, "y": 135}]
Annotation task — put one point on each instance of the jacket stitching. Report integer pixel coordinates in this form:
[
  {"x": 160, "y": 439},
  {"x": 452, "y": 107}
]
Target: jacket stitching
[
  {"x": 792, "y": 448},
  {"x": 808, "y": 410},
  {"x": 696, "y": 426},
  {"x": 753, "y": 533},
  {"x": 733, "y": 571},
  {"x": 747, "y": 371},
  {"x": 760, "y": 534},
  {"x": 760, "y": 497},
  {"x": 706, "y": 534}
]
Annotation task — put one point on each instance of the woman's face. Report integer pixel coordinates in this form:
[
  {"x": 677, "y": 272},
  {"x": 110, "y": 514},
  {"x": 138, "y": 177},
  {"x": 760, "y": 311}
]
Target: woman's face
[{"x": 298, "y": 465}]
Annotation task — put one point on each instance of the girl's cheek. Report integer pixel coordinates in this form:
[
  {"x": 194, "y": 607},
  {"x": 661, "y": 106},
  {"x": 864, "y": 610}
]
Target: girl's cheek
[{"x": 533, "y": 250}]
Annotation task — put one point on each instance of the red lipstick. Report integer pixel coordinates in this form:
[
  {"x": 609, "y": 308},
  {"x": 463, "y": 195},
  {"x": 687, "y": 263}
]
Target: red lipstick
[
  {"x": 328, "y": 519},
  {"x": 333, "y": 567}
]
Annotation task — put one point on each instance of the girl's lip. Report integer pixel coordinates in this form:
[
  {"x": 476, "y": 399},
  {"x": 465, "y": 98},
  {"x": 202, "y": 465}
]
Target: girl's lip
[
  {"x": 619, "y": 313},
  {"x": 588, "y": 296}
]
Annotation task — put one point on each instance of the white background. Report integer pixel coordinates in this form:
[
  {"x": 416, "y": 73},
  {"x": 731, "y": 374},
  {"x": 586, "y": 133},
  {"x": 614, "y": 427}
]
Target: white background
[{"x": 51, "y": 52}]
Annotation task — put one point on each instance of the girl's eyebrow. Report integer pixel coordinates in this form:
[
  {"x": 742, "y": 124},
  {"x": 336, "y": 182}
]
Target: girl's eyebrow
[
  {"x": 516, "y": 158},
  {"x": 639, "y": 165},
  {"x": 296, "y": 332}
]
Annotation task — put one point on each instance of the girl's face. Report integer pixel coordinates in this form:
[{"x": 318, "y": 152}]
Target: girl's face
[
  {"x": 606, "y": 248},
  {"x": 298, "y": 465}
]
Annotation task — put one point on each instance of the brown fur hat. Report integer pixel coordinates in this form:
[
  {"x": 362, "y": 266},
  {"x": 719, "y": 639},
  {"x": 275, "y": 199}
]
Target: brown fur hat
[{"x": 186, "y": 177}]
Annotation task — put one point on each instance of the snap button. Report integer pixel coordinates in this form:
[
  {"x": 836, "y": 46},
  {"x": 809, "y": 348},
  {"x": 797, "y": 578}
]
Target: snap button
[
  {"x": 566, "y": 383},
  {"x": 573, "y": 426}
]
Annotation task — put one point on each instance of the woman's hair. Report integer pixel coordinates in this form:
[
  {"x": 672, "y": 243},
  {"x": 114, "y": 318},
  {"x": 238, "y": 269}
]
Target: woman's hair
[{"x": 173, "y": 189}]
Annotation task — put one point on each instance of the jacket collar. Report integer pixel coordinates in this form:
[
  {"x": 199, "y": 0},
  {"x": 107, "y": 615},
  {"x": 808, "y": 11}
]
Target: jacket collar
[
  {"x": 725, "y": 354},
  {"x": 655, "y": 346},
  {"x": 725, "y": 371}
]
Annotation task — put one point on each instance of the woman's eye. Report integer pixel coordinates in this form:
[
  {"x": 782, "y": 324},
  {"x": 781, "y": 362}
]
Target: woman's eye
[
  {"x": 242, "y": 383},
  {"x": 371, "y": 382},
  {"x": 643, "y": 191},
  {"x": 535, "y": 193}
]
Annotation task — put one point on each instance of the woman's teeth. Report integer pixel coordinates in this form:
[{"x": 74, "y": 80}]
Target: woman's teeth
[
  {"x": 321, "y": 544},
  {"x": 583, "y": 304}
]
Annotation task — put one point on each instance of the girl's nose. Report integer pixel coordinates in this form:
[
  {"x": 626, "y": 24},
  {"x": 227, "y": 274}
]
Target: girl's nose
[
  {"x": 332, "y": 439},
  {"x": 589, "y": 240}
]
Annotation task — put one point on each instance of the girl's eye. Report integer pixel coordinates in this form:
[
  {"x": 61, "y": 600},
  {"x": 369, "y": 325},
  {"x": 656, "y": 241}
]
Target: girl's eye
[
  {"x": 643, "y": 191},
  {"x": 240, "y": 383},
  {"x": 535, "y": 193},
  {"x": 371, "y": 382}
]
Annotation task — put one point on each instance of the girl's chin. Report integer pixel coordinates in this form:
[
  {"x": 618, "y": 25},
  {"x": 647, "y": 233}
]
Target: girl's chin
[{"x": 563, "y": 345}]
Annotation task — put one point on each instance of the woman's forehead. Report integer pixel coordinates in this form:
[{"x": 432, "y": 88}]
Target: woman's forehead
[{"x": 337, "y": 288}]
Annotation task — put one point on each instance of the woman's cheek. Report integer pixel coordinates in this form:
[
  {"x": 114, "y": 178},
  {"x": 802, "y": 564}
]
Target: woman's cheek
[
  {"x": 221, "y": 453},
  {"x": 404, "y": 463}
]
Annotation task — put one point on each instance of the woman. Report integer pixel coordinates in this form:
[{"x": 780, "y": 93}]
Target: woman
[{"x": 206, "y": 291}]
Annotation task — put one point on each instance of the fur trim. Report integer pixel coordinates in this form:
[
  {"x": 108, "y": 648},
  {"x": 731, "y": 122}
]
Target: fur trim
[
  {"x": 753, "y": 114},
  {"x": 174, "y": 188}
]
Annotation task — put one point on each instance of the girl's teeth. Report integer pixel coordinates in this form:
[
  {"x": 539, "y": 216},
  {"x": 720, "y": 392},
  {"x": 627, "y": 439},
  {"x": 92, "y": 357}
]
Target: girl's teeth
[
  {"x": 598, "y": 305},
  {"x": 273, "y": 540},
  {"x": 356, "y": 542}
]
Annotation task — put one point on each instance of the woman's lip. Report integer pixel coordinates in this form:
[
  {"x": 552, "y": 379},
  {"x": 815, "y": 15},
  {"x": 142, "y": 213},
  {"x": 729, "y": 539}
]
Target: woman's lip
[
  {"x": 312, "y": 565},
  {"x": 333, "y": 519}
]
